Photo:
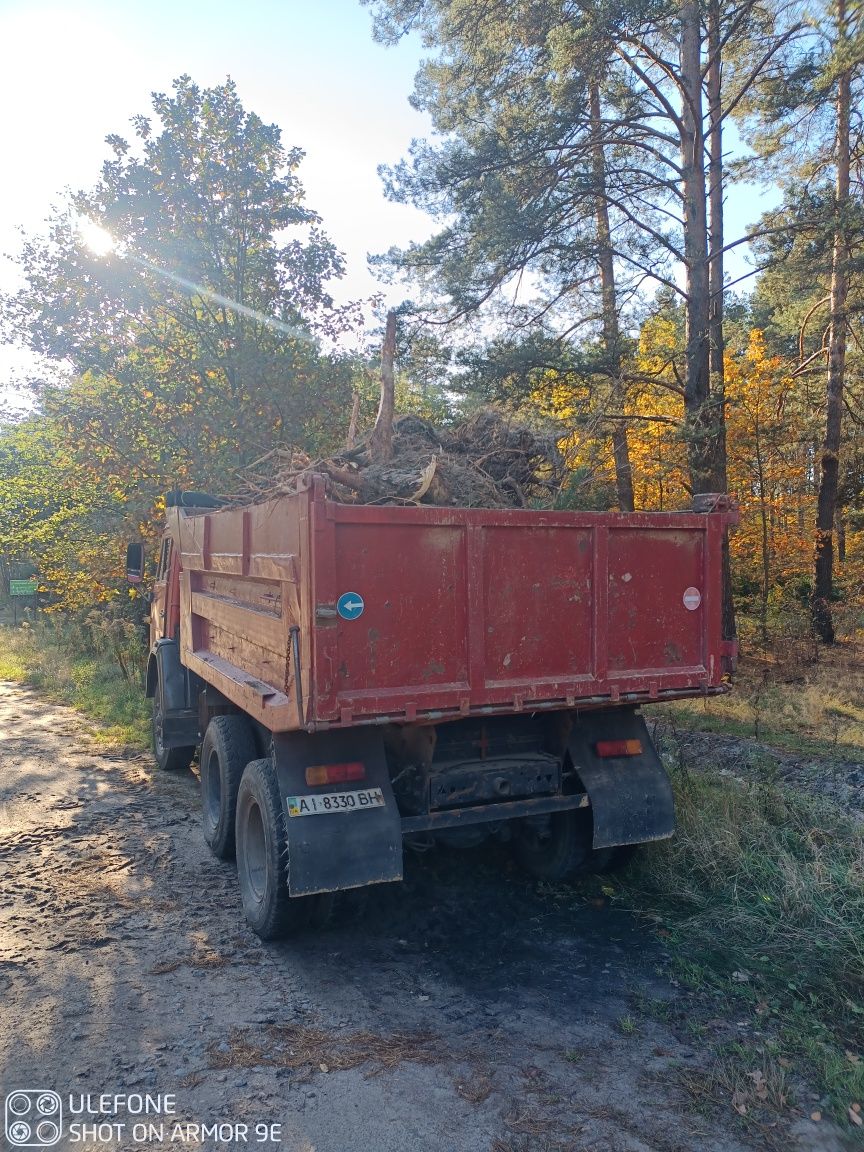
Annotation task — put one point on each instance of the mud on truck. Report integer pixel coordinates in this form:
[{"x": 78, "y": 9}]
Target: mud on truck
[{"x": 356, "y": 676}]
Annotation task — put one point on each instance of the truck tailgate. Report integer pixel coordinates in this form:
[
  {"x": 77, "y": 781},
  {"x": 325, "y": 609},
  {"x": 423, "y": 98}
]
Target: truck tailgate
[{"x": 434, "y": 612}]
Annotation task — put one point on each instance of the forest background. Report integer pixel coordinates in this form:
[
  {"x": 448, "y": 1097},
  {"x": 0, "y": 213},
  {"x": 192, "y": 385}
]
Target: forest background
[{"x": 579, "y": 171}]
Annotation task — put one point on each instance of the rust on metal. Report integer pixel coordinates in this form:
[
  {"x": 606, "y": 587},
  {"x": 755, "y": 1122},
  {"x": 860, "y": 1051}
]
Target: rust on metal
[{"x": 314, "y": 615}]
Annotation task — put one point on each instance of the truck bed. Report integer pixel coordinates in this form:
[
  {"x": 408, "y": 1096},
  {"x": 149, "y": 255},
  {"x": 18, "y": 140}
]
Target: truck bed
[{"x": 405, "y": 614}]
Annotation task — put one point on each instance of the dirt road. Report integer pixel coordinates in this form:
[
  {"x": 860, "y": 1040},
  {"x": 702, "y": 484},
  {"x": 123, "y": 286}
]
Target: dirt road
[{"x": 465, "y": 1012}]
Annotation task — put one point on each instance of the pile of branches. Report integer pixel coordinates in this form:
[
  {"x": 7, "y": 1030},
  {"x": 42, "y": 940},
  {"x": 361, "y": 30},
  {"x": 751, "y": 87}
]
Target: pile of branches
[{"x": 485, "y": 461}]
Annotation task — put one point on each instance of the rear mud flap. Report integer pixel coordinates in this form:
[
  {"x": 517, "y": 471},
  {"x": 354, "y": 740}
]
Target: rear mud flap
[
  {"x": 631, "y": 797},
  {"x": 327, "y": 852}
]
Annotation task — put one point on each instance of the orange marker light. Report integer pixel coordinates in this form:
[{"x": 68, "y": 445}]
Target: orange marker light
[
  {"x": 618, "y": 747},
  {"x": 335, "y": 773}
]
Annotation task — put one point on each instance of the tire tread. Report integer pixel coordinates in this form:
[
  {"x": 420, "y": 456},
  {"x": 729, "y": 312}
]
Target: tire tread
[
  {"x": 232, "y": 739},
  {"x": 278, "y": 915}
]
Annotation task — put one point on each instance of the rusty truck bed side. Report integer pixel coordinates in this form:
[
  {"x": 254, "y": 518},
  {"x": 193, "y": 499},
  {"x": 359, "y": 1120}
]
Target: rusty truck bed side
[{"x": 464, "y": 611}]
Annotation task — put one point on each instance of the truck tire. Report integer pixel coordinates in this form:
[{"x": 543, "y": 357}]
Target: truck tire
[
  {"x": 168, "y": 759},
  {"x": 261, "y": 856},
  {"x": 553, "y": 849},
  {"x": 229, "y": 745}
]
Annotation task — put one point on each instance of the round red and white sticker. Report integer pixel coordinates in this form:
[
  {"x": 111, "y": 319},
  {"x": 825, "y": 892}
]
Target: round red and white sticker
[{"x": 692, "y": 599}]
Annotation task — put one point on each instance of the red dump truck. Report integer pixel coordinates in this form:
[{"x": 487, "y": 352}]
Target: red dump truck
[{"x": 359, "y": 675}]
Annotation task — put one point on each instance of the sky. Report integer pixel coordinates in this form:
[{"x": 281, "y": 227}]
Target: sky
[{"x": 71, "y": 73}]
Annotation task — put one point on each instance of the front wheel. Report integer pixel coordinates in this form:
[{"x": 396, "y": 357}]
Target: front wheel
[
  {"x": 168, "y": 759},
  {"x": 262, "y": 853}
]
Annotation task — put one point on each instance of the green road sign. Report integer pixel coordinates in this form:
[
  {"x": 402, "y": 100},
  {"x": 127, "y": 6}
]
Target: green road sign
[{"x": 22, "y": 587}]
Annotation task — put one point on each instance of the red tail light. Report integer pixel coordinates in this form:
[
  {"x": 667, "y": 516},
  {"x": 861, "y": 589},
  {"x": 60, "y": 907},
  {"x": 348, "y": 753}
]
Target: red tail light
[
  {"x": 335, "y": 773},
  {"x": 618, "y": 748}
]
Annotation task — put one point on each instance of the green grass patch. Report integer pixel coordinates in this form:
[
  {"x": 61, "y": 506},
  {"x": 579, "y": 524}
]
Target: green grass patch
[
  {"x": 760, "y": 900},
  {"x": 15, "y": 654},
  {"x": 93, "y": 683}
]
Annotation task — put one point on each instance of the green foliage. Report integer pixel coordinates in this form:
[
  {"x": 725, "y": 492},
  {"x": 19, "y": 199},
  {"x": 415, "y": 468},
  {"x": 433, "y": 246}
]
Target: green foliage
[
  {"x": 59, "y": 507},
  {"x": 196, "y": 344},
  {"x": 513, "y": 179}
]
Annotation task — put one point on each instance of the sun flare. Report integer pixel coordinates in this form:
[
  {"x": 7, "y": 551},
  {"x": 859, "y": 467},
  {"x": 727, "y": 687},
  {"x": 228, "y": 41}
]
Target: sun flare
[{"x": 97, "y": 239}]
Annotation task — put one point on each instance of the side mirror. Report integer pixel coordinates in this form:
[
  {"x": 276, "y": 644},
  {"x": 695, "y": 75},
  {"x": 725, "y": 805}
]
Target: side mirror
[{"x": 134, "y": 563}]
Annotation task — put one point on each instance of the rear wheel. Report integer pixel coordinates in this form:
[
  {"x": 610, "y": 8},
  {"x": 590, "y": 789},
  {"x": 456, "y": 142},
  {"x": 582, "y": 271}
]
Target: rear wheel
[
  {"x": 262, "y": 850},
  {"x": 553, "y": 847},
  {"x": 168, "y": 759},
  {"x": 229, "y": 745}
]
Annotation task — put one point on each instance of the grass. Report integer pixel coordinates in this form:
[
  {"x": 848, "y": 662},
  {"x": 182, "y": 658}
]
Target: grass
[
  {"x": 807, "y": 707},
  {"x": 92, "y": 683},
  {"x": 759, "y": 899},
  {"x": 15, "y": 655}
]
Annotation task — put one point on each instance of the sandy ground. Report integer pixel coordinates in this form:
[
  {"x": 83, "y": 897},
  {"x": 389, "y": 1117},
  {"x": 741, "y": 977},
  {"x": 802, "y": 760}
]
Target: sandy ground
[{"x": 464, "y": 1012}]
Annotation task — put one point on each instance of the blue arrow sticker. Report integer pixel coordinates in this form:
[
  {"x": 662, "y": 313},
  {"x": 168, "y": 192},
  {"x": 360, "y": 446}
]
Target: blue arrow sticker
[{"x": 350, "y": 605}]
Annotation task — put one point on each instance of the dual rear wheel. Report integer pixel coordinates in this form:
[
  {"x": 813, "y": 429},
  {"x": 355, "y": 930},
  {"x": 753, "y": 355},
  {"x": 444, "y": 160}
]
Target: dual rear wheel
[
  {"x": 242, "y": 815},
  {"x": 262, "y": 858},
  {"x": 556, "y": 847},
  {"x": 229, "y": 745},
  {"x": 262, "y": 865}
]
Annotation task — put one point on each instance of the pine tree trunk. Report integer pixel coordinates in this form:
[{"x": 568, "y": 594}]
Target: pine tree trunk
[
  {"x": 697, "y": 394},
  {"x": 715, "y": 240},
  {"x": 715, "y": 288},
  {"x": 766, "y": 554},
  {"x": 820, "y": 604},
  {"x": 609, "y": 298}
]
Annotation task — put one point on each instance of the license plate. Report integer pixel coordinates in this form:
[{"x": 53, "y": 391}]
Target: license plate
[{"x": 327, "y": 802}]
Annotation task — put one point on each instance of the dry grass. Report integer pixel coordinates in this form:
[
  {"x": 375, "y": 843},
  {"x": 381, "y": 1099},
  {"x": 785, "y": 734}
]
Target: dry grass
[
  {"x": 192, "y": 1079},
  {"x": 761, "y": 898},
  {"x": 205, "y": 956},
  {"x": 194, "y": 960},
  {"x": 298, "y": 1046},
  {"x": 752, "y": 1084},
  {"x": 816, "y": 705},
  {"x": 475, "y": 1087},
  {"x": 166, "y": 966},
  {"x": 537, "y": 1132}
]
